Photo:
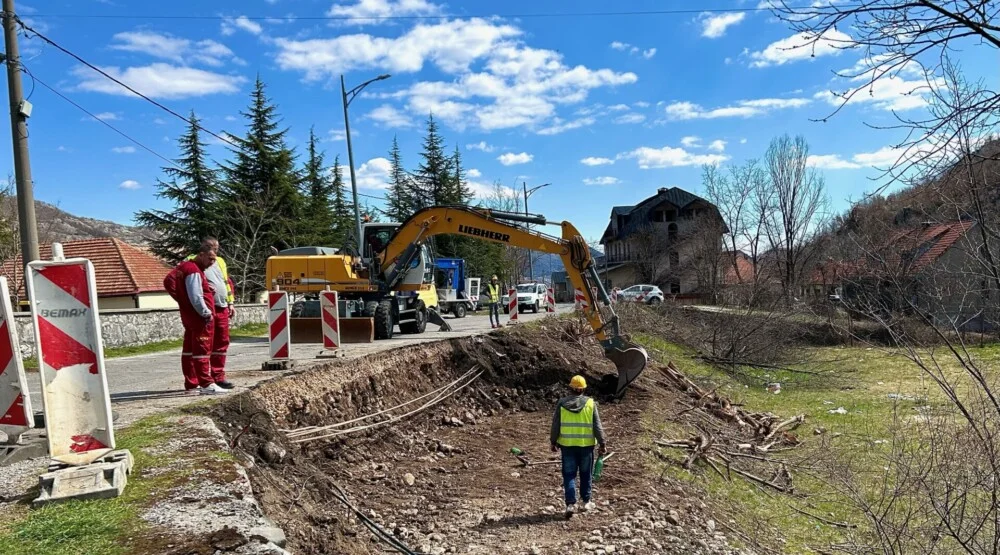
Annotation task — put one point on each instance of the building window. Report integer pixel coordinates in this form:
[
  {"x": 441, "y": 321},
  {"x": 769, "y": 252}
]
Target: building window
[
  {"x": 672, "y": 232},
  {"x": 675, "y": 288},
  {"x": 671, "y": 215}
]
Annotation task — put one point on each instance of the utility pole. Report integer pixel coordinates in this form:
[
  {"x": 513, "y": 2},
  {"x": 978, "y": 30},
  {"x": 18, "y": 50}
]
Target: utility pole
[
  {"x": 527, "y": 193},
  {"x": 350, "y": 153},
  {"x": 19, "y": 111}
]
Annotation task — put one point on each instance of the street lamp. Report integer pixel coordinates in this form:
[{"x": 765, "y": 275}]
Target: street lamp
[
  {"x": 527, "y": 193},
  {"x": 348, "y": 96}
]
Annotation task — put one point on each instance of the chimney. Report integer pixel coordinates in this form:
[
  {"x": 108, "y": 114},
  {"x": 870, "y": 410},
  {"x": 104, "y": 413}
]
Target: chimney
[{"x": 661, "y": 190}]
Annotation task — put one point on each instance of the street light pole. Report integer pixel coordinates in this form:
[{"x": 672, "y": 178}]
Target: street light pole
[
  {"x": 347, "y": 97},
  {"x": 528, "y": 193}
]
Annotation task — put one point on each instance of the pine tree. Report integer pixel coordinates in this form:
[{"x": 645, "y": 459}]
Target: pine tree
[
  {"x": 193, "y": 190},
  {"x": 399, "y": 205},
  {"x": 343, "y": 215},
  {"x": 319, "y": 193},
  {"x": 262, "y": 204},
  {"x": 433, "y": 176},
  {"x": 460, "y": 192}
]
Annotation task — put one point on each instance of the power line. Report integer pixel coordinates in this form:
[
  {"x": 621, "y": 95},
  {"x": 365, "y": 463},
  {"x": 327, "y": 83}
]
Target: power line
[
  {"x": 537, "y": 15},
  {"x": 123, "y": 85},
  {"x": 112, "y": 127}
]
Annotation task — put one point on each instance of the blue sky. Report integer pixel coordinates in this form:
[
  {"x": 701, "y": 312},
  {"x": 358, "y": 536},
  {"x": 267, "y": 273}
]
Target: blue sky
[{"x": 606, "y": 108}]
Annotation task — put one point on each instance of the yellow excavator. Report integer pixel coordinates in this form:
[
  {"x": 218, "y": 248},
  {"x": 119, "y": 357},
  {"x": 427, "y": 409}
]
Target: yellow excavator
[{"x": 392, "y": 281}]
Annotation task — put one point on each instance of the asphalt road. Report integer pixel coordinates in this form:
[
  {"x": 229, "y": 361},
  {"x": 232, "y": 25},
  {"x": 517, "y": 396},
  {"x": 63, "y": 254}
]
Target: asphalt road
[{"x": 144, "y": 384}]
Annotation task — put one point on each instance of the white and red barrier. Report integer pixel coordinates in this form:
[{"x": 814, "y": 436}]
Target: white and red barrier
[
  {"x": 580, "y": 300},
  {"x": 331, "y": 320},
  {"x": 512, "y": 305},
  {"x": 279, "y": 329},
  {"x": 15, "y": 403},
  {"x": 63, "y": 296},
  {"x": 550, "y": 301}
]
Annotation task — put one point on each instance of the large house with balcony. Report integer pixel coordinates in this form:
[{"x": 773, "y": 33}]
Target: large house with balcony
[{"x": 663, "y": 240}]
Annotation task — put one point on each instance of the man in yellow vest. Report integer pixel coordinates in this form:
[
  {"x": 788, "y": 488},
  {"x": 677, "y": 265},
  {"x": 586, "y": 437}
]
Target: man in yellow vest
[
  {"x": 218, "y": 278},
  {"x": 576, "y": 429},
  {"x": 493, "y": 291}
]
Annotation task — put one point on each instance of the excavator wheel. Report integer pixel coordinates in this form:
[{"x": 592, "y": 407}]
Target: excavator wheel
[
  {"x": 419, "y": 323},
  {"x": 383, "y": 320}
]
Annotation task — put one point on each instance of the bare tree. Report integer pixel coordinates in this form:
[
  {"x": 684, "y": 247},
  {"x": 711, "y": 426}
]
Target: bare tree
[
  {"x": 246, "y": 247},
  {"x": 795, "y": 211},
  {"x": 515, "y": 260}
]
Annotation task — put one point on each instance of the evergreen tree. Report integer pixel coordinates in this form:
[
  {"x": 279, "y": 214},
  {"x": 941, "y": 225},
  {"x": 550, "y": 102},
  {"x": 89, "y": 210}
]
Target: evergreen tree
[
  {"x": 433, "y": 176},
  {"x": 399, "y": 205},
  {"x": 460, "y": 193},
  {"x": 320, "y": 198},
  {"x": 193, "y": 190},
  {"x": 343, "y": 214},
  {"x": 262, "y": 204}
]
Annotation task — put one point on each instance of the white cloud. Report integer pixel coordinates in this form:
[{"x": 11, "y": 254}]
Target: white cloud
[
  {"x": 742, "y": 109},
  {"x": 743, "y": 141},
  {"x": 337, "y": 135},
  {"x": 231, "y": 25},
  {"x": 559, "y": 126},
  {"x": 671, "y": 157},
  {"x": 105, "y": 116},
  {"x": 630, "y": 118},
  {"x": 649, "y": 53},
  {"x": 717, "y": 145},
  {"x": 890, "y": 92},
  {"x": 633, "y": 50},
  {"x": 619, "y": 108},
  {"x": 123, "y": 149},
  {"x": 160, "y": 80},
  {"x": 481, "y": 145},
  {"x": 641, "y": 104},
  {"x": 159, "y": 121},
  {"x": 596, "y": 161},
  {"x": 474, "y": 173},
  {"x": 174, "y": 49},
  {"x": 802, "y": 46},
  {"x": 620, "y": 45},
  {"x": 714, "y": 26},
  {"x": 691, "y": 141},
  {"x": 604, "y": 180},
  {"x": 375, "y": 11},
  {"x": 62, "y": 148},
  {"x": 231, "y": 118},
  {"x": 498, "y": 82},
  {"x": 375, "y": 174},
  {"x": 830, "y": 162},
  {"x": 390, "y": 116},
  {"x": 130, "y": 185},
  {"x": 511, "y": 159},
  {"x": 882, "y": 158}
]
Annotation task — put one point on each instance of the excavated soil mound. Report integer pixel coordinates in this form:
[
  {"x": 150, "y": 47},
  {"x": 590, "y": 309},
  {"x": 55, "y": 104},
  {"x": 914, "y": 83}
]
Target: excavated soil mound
[{"x": 443, "y": 480}]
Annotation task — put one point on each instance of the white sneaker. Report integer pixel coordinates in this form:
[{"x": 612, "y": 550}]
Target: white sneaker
[
  {"x": 213, "y": 389},
  {"x": 590, "y": 506},
  {"x": 570, "y": 510}
]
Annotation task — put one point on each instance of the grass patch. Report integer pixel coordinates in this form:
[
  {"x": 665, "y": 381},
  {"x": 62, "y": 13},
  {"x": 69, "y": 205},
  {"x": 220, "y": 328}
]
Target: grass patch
[
  {"x": 249, "y": 330},
  {"x": 872, "y": 385}
]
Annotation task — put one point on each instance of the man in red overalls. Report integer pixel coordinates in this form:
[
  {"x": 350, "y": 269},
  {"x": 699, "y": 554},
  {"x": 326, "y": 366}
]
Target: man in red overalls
[{"x": 197, "y": 305}]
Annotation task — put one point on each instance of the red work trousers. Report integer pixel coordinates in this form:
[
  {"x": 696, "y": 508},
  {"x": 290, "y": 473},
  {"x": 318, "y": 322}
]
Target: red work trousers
[
  {"x": 196, "y": 352},
  {"x": 220, "y": 344}
]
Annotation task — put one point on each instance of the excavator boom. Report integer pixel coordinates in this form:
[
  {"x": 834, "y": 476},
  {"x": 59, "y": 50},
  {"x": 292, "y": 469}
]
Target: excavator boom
[{"x": 629, "y": 358}]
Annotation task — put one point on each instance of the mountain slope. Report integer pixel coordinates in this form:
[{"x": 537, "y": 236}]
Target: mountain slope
[{"x": 55, "y": 224}]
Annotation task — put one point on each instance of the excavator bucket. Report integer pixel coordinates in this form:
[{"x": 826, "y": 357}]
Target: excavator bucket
[
  {"x": 357, "y": 330},
  {"x": 630, "y": 360}
]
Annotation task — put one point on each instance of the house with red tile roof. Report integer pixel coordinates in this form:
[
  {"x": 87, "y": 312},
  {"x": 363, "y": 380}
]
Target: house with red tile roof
[{"x": 127, "y": 276}]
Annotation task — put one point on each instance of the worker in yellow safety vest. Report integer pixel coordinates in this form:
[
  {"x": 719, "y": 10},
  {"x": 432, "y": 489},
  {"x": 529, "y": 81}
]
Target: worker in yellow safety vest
[
  {"x": 493, "y": 291},
  {"x": 218, "y": 278},
  {"x": 576, "y": 429}
]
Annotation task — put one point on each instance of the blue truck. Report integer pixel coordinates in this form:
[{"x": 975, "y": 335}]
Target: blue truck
[{"x": 457, "y": 293}]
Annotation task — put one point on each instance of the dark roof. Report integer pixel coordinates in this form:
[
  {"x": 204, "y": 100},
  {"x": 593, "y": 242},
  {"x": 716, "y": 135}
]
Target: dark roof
[
  {"x": 639, "y": 214},
  {"x": 120, "y": 268}
]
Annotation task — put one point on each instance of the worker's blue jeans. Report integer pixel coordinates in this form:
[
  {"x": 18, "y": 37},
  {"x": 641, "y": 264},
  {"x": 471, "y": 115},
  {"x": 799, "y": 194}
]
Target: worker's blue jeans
[
  {"x": 495, "y": 311},
  {"x": 577, "y": 460}
]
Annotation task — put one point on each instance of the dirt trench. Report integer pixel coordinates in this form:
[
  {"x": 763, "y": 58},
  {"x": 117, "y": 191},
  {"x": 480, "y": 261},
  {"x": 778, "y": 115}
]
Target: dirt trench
[{"x": 444, "y": 481}]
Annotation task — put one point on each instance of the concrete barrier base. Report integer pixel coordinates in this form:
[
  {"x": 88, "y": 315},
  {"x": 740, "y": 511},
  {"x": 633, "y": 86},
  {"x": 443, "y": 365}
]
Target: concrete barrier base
[{"x": 102, "y": 479}]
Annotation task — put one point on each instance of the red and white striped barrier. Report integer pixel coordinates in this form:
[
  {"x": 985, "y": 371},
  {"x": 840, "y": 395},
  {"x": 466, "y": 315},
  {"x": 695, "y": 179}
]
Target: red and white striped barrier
[
  {"x": 512, "y": 305},
  {"x": 279, "y": 336},
  {"x": 63, "y": 296},
  {"x": 580, "y": 300},
  {"x": 331, "y": 320},
  {"x": 15, "y": 403},
  {"x": 641, "y": 296},
  {"x": 550, "y": 301}
]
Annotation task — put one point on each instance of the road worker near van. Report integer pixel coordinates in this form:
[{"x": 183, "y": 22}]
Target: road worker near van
[
  {"x": 493, "y": 291},
  {"x": 223, "y": 310},
  {"x": 576, "y": 429}
]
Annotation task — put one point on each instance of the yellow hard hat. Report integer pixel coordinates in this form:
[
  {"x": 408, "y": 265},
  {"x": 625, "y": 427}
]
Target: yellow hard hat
[
  {"x": 494, "y": 278},
  {"x": 578, "y": 383}
]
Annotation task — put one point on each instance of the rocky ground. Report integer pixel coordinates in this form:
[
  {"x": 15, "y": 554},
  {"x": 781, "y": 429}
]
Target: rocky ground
[{"x": 443, "y": 480}]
